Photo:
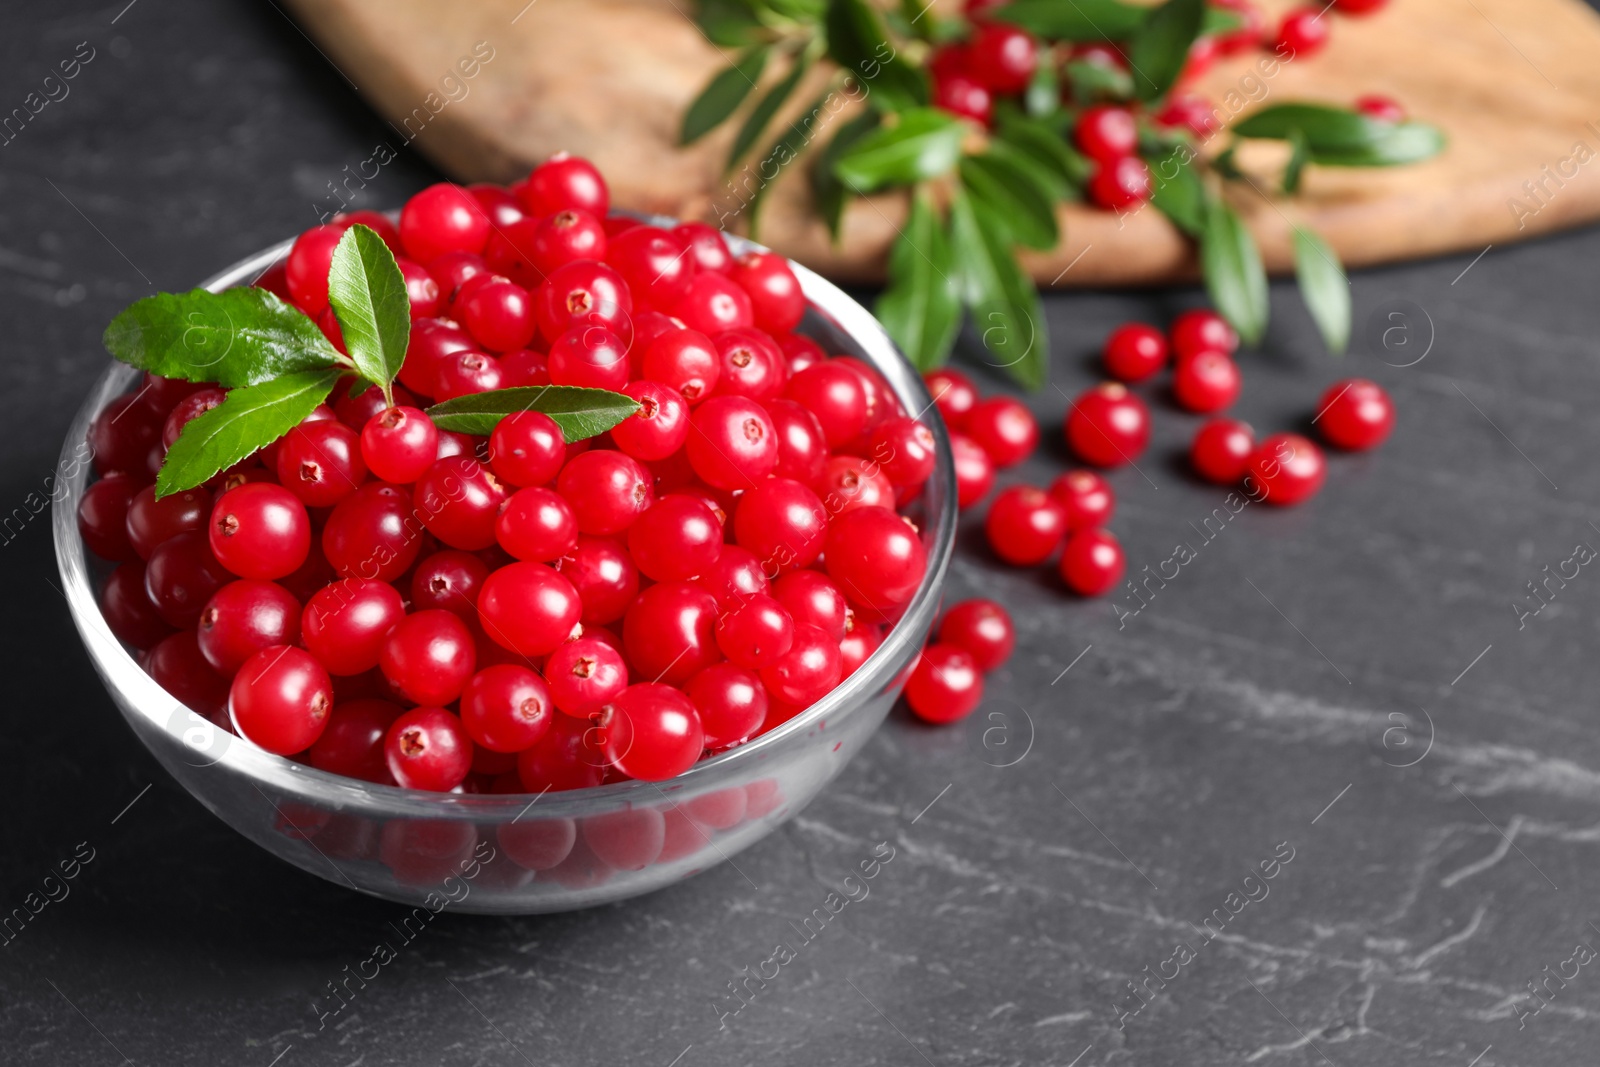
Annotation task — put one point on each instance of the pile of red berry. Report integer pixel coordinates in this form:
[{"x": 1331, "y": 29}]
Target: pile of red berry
[
  {"x": 1000, "y": 60},
  {"x": 388, "y": 600}
]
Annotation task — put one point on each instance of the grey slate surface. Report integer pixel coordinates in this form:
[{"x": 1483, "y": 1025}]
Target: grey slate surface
[{"x": 1274, "y": 698}]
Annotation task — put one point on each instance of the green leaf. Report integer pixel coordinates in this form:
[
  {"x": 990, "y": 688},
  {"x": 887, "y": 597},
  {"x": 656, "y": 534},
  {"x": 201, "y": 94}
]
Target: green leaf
[
  {"x": 1234, "y": 276},
  {"x": 1177, "y": 190},
  {"x": 1324, "y": 287},
  {"x": 827, "y": 191},
  {"x": 249, "y": 418},
  {"x": 1340, "y": 137},
  {"x": 857, "y": 42},
  {"x": 1219, "y": 20},
  {"x": 755, "y": 123},
  {"x": 1096, "y": 81},
  {"x": 1073, "y": 20},
  {"x": 1014, "y": 196},
  {"x": 1040, "y": 142},
  {"x": 1159, "y": 49},
  {"x": 925, "y": 143},
  {"x": 1044, "y": 89},
  {"x": 1299, "y": 156},
  {"x": 234, "y": 338},
  {"x": 723, "y": 94},
  {"x": 1045, "y": 177},
  {"x": 1005, "y": 305},
  {"x": 579, "y": 411},
  {"x": 368, "y": 295},
  {"x": 921, "y": 309},
  {"x": 778, "y": 158},
  {"x": 727, "y": 23}
]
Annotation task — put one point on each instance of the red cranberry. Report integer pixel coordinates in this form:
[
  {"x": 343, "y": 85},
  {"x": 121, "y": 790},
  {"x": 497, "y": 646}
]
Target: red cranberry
[
  {"x": 1025, "y": 525},
  {"x": 306, "y": 269},
  {"x": 527, "y": 448},
  {"x": 465, "y": 373},
  {"x": 670, "y": 632},
  {"x": 376, "y": 221},
  {"x": 1003, "y": 58},
  {"x": 584, "y": 293},
  {"x": 443, "y": 218},
  {"x": 499, "y": 315},
  {"x": 497, "y": 202},
  {"x": 731, "y": 702},
  {"x": 776, "y": 302},
  {"x": 655, "y": 263},
  {"x": 344, "y": 624},
  {"x": 974, "y": 470},
  {"x": 732, "y": 442},
  {"x": 963, "y": 95},
  {"x": 953, "y": 394},
  {"x": 626, "y": 840},
  {"x": 1355, "y": 414},
  {"x": 875, "y": 556},
  {"x": 537, "y": 844},
  {"x": 1120, "y": 184},
  {"x": 373, "y": 534},
  {"x": 1134, "y": 352},
  {"x": 1249, "y": 34},
  {"x": 608, "y": 490},
  {"x": 1382, "y": 108},
  {"x": 428, "y": 748},
  {"x": 103, "y": 518},
  {"x": 749, "y": 364},
  {"x": 983, "y": 629},
  {"x": 525, "y": 366},
  {"x": 356, "y": 411},
  {"x": 736, "y": 574},
  {"x": 506, "y": 708},
  {"x": 834, "y": 394},
  {"x": 352, "y": 742},
  {"x": 686, "y": 360},
  {"x": 1289, "y": 469},
  {"x": 783, "y": 523},
  {"x": 858, "y": 646},
  {"x": 850, "y": 482},
  {"x": 802, "y": 449},
  {"x": 1107, "y": 425},
  {"x": 755, "y": 632},
  {"x": 528, "y": 608},
  {"x": 706, "y": 246},
  {"x": 660, "y": 425},
  {"x": 1206, "y": 382},
  {"x": 128, "y": 610},
  {"x": 1302, "y": 33},
  {"x": 1106, "y": 133},
  {"x": 585, "y": 675},
  {"x": 678, "y": 538},
  {"x": 904, "y": 450},
  {"x": 1186, "y": 111},
  {"x": 604, "y": 576},
  {"x": 320, "y": 462},
  {"x": 564, "y": 182},
  {"x": 537, "y": 524},
  {"x": 450, "y": 580},
  {"x": 714, "y": 303},
  {"x": 652, "y": 732},
  {"x": 244, "y": 617},
  {"x": 566, "y": 237},
  {"x": 1092, "y": 562},
  {"x": 260, "y": 530},
  {"x": 945, "y": 684},
  {"x": 398, "y": 444},
  {"x": 152, "y": 521},
  {"x": 808, "y": 671},
  {"x": 280, "y": 700},
  {"x": 1004, "y": 428},
  {"x": 421, "y": 289},
  {"x": 562, "y": 760},
  {"x": 177, "y": 666},
  {"x": 458, "y": 500},
  {"x": 1359, "y": 7},
  {"x": 1221, "y": 450},
  {"x": 1087, "y": 498},
  {"x": 589, "y": 356},
  {"x": 1201, "y": 330},
  {"x": 812, "y": 599},
  {"x": 432, "y": 340},
  {"x": 428, "y": 657}
]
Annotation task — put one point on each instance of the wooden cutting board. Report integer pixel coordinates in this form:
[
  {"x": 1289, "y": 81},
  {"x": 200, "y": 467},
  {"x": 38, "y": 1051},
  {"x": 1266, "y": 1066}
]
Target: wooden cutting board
[{"x": 1514, "y": 83}]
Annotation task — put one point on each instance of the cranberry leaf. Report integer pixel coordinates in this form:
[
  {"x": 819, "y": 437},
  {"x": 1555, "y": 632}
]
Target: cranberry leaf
[
  {"x": 368, "y": 294},
  {"x": 1080, "y": 20},
  {"x": 921, "y": 309},
  {"x": 925, "y": 143},
  {"x": 1324, "y": 287},
  {"x": 1015, "y": 196},
  {"x": 1340, "y": 137},
  {"x": 723, "y": 94},
  {"x": 249, "y": 418},
  {"x": 826, "y": 189},
  {"x": 581, "y": 412},
  {"x": 235, "y": 338},
  {"x": 1234, "y": 275},
  {"x": 1159, "y": 49},
  {"x": 1005, "y": 305},
  {"x": 857, "y": 41},
  {"x": 1177, "y": 190}
]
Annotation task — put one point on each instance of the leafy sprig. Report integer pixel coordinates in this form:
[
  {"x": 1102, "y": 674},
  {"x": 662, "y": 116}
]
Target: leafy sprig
[
  {"x": 278, "y": 366},
  {"x": 978, "y": 196}
]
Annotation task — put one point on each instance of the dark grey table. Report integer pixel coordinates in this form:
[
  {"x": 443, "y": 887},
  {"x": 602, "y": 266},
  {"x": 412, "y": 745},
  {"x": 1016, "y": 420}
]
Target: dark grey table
[{"x": 1342, "y": 692}]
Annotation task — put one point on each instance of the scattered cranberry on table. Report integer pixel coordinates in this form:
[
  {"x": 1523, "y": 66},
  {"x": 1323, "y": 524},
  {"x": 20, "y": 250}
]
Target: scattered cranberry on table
[{"x": 1355, "y": 415}]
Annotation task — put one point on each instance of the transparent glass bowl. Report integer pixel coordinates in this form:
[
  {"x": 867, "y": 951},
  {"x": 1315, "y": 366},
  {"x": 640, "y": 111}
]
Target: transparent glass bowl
[{"x": 521, "y": 854}]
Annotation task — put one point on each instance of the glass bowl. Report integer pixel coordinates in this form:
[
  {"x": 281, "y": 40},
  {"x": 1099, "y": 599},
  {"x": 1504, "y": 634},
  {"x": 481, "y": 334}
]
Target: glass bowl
[{"x": 524, "y": 854}]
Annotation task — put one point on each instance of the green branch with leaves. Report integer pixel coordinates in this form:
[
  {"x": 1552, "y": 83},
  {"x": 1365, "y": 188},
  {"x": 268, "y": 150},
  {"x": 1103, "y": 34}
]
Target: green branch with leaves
[{"x": 976, "y": 196}]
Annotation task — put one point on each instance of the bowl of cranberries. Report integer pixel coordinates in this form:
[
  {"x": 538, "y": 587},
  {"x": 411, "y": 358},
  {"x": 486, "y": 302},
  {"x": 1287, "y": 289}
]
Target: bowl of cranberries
[{"x": 508, "y": 672}]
